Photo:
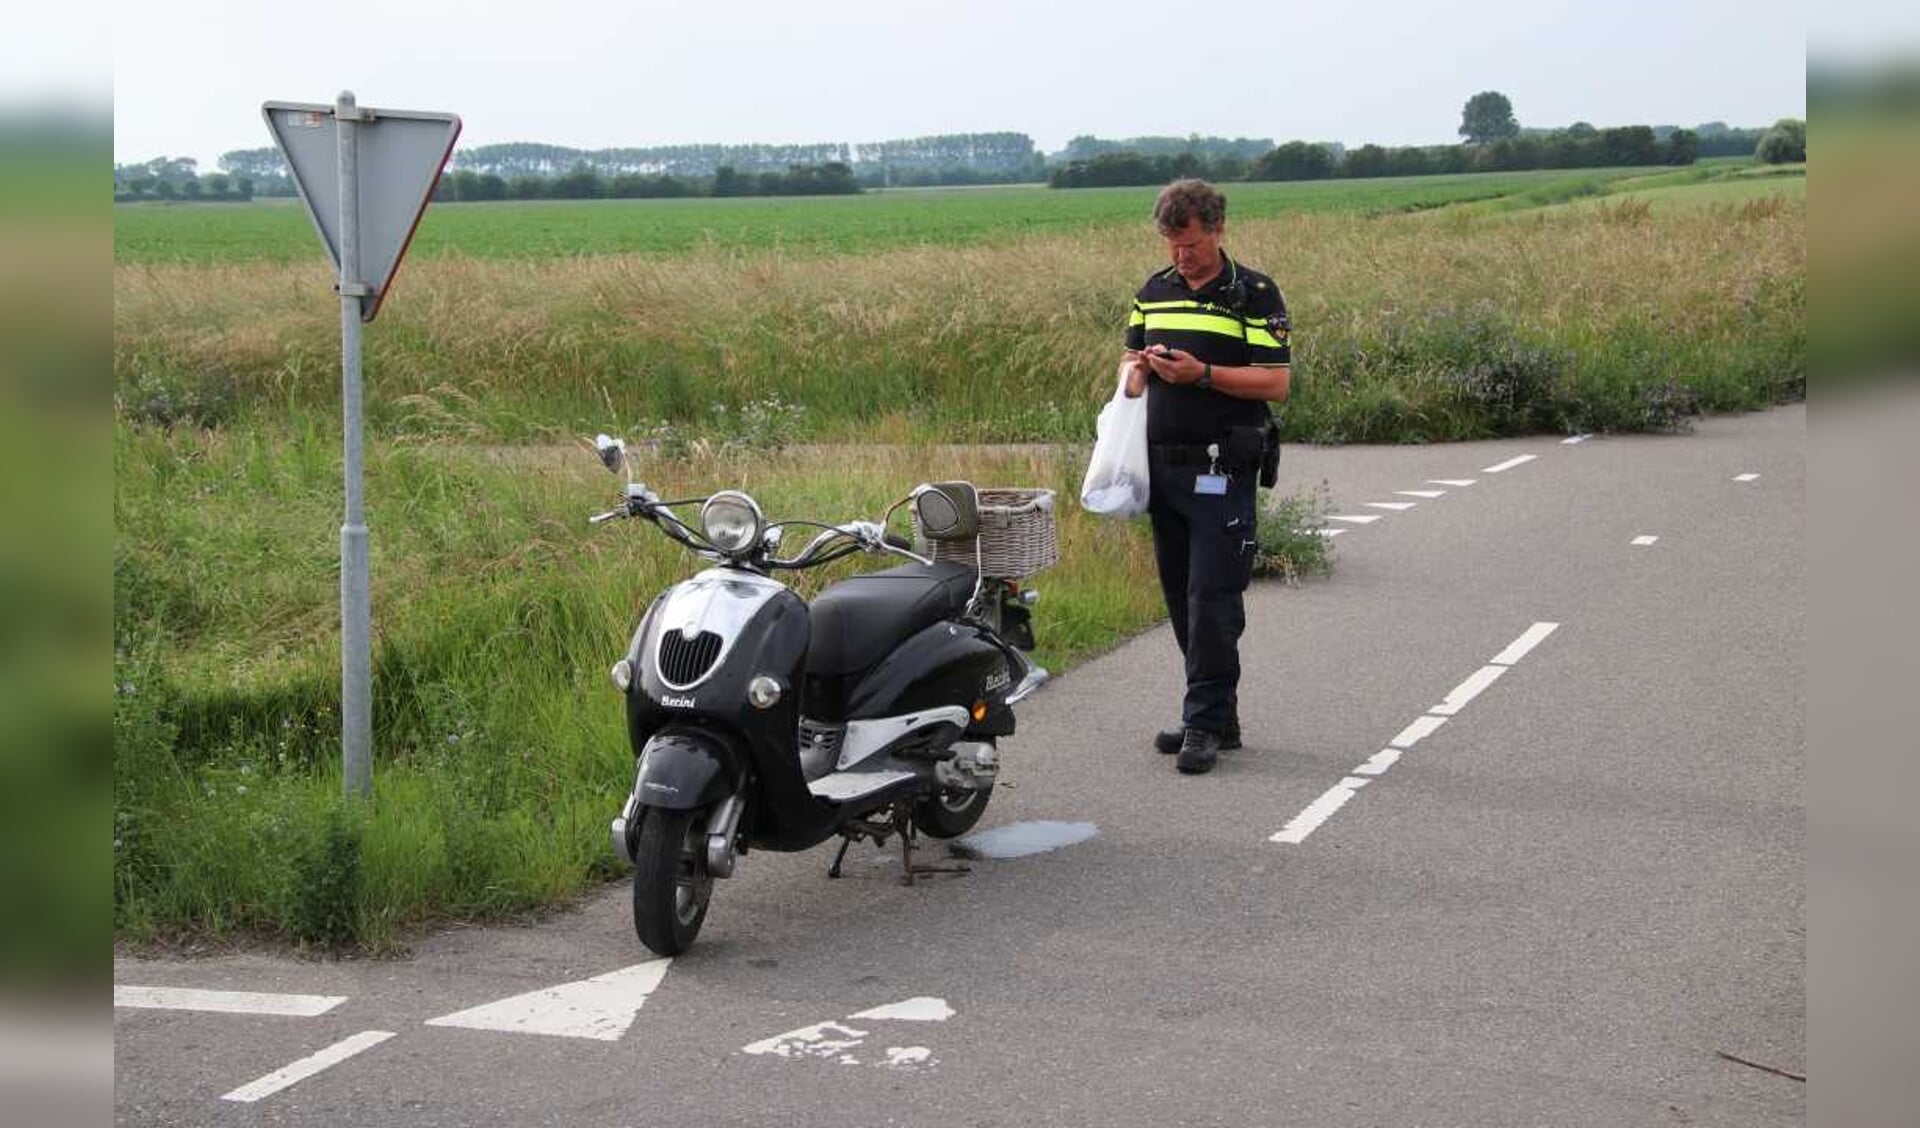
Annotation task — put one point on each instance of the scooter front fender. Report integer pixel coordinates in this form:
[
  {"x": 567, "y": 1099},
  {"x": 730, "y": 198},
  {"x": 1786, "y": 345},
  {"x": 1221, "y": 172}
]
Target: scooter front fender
[{"x": 682, "y": 771}]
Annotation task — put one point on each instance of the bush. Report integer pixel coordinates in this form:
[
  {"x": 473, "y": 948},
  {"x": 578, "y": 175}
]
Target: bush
[{"x": 1785, "y": 143}]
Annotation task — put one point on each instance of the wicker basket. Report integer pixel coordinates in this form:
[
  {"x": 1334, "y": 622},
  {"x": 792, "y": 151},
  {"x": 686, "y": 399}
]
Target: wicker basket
[{"x": 1017, "y": 535}]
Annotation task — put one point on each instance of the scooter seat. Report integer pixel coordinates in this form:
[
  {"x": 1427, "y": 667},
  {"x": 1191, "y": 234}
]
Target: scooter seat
[{"x": 859, "y": 620}]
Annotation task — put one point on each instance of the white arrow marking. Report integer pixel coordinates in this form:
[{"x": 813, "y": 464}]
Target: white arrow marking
[
  {"x": 600, "y": 1008},
  {"x": 224, "y": 1002},
  {"x": 307, "y": 1066}
]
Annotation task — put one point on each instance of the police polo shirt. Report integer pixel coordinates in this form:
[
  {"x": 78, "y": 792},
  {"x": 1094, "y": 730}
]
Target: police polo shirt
[{"x": 1237, "y": 320}]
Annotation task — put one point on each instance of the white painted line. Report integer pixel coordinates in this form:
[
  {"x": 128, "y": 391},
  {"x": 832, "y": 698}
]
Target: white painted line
[
  {"x": 1319, "y": 811},
  {"x": 1356, "y": 519},
  {"x": 1396, "y": 506},
  {"x": 600, "y": 1008},
  {"x": 1468, "y": 690},
  {"x": 1428, "y": 494},
  {"x": 1379, "y": 762},
  {"x": 907, "y": 1057},
  {"x": 1328, "y": 532},
  {"x": 1533, "y": 636},
  {"x": 1642, "y": 542},
  {"x": 1502, "y": 467},
  {"x": 1746, "y": 477},
  {"x": 922, "y": 1008},
  {"x": 822, "y": 1039},
  {"x": 307, "y": 1066},
  {"x": 224, "y": 1002},
  {"x": 1335, "y": 797},
  {"x": 1459, "y": 483},
  {"x": 1574, "y": 439},
  {"x": 1418, "y": 731}
]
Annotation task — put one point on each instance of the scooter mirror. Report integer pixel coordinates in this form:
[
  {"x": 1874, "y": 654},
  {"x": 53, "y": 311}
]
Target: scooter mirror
[
  {"x": 612, "y": 451},
  {"x": 947, "y": 510}
]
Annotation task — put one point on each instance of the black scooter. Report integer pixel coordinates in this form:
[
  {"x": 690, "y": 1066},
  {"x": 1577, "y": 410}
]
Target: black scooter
[{"x": 762, "y": 722}]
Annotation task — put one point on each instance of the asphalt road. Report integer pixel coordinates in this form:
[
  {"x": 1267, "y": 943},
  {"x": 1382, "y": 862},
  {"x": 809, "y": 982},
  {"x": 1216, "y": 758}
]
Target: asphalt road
[{"x": 1524, "y": 875}]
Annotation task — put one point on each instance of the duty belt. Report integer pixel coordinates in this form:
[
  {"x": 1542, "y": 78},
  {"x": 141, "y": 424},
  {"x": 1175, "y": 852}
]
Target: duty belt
[{"x": 1187, "y": 454}]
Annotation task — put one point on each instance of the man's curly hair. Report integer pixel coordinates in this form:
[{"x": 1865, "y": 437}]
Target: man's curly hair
[{"x": 1186, "y": 200}]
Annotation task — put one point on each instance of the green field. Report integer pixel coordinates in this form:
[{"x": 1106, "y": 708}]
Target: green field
[{"x": 279, "y": 230}]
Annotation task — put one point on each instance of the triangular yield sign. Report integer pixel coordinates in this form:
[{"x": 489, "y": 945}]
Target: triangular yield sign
[{"x": 400, "y": 155}]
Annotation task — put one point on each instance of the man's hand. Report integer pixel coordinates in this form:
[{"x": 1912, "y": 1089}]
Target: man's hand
[
  {"x": 1174, "y": 366},
  {"x": 1137, "y": 373}
]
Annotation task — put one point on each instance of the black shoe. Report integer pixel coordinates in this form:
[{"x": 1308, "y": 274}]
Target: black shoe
[
  {"x": 1198, "y": 752},
  {"x": 1168, "y": 742}
]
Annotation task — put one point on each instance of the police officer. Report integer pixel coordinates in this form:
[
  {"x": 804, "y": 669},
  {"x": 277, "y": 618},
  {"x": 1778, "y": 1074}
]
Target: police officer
[{"x": 1207, "y": 342}]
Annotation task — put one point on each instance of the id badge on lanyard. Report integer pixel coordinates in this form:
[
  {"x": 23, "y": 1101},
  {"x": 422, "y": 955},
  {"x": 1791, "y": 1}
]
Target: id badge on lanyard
[{"x": 1213, "y": 483}]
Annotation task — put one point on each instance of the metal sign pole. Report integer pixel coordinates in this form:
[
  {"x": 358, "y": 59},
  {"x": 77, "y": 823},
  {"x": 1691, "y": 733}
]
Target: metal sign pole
[{"x": 356, "y": 614}]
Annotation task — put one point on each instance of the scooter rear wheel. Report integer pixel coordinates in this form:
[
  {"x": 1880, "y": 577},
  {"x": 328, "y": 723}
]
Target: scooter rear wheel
[
  {"x": 952, "y": 813},
  {"x": 671, "y": 885}
]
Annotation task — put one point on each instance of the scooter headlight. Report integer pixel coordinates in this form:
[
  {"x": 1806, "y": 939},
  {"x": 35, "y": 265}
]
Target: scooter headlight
[{"x": 731, "y": 522}]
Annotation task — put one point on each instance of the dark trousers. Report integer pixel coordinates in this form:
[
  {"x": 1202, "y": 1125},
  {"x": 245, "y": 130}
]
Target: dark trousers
[{"x": 1204, "y": 544}]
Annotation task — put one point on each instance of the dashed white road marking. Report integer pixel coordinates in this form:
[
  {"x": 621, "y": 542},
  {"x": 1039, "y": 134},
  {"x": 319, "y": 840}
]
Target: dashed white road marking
[
  {"x": 1746, "y": 477},
  {"x": 1329, "y": 532},
  {"x": 600, "y": 1008},
  {"x": 224, "y": 1002},
  {"x": 1318, "y": 811},
  {"x": 1533, "y": 636},
  {"x": 1573, "y": 439},
  {"x": 1468, "y": 690},
  {"x": 1642, "y": 542},
  {"x": 1418, "y": 731},
  {"x": 1397, "y": 506},
  {"x": 1354, "y": 518},
  {"x": 1502, "y": 467},
  {"x": 1337, "y": 796},
  {"x": 1429, "y": 494},
  {"x": 1457, "y": 483},
  {"x": 307, "y": 1066},
  {"x": 1379, "y": 762}
]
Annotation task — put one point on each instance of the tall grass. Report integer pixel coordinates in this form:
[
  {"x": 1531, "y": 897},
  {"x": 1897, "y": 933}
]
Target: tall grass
[
  {"x": 501, "y": 749},
  {"x": 1406, "y": 329}
]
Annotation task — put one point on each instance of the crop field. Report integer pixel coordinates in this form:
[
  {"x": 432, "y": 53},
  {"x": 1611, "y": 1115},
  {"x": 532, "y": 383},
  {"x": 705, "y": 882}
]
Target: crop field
[{"x": 279, "y": 230}]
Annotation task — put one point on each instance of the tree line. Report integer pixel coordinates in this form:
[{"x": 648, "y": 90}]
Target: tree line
[
  {"x": 1494, "y": 141},
  {"x": 585, "y": 183}
]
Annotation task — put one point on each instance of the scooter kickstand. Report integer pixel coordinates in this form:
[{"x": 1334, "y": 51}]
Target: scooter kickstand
[
  {"x": 903, "y": 819},
  {"x": 834, "y": 869}
]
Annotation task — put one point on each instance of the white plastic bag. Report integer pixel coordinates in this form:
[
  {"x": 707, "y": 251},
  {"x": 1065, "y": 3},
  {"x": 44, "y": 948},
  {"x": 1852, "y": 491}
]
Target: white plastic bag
[{"x": 1116, "y": 481}]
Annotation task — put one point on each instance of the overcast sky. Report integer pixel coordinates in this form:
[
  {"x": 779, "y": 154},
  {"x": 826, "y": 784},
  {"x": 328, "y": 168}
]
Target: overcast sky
[{"x": 189, "y": 75}]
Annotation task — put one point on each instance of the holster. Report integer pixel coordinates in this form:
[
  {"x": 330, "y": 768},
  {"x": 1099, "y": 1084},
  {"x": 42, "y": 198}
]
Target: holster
[{"x": 1270, "y": 455}]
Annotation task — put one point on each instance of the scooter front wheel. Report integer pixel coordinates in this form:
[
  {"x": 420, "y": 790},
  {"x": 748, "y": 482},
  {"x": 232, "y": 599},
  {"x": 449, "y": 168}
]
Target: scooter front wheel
[
  {"x": 950, "y": 814},
  {"x": 671, "y": 885}
]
